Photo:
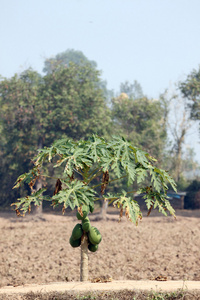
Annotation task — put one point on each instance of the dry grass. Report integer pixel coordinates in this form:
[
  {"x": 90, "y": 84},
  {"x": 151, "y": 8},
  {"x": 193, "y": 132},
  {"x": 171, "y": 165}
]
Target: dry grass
[{"x": 120, "y": 295}]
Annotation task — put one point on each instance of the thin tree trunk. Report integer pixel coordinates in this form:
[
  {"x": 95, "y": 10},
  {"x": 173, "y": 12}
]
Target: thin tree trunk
[
  {"x": 84, "y": 258},
  {"x": 38, "y": 209},
  {"x": 179, "y": 155},
  {"x": 104, "y": 207}
]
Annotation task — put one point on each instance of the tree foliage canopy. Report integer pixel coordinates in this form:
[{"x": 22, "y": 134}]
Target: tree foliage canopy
[
  {"x": 140, "y": 120},
  {"x": 71, "y": 56},
  {"x": 71, "y": 101},
  {"x": 63, "y": 59},
  {"x": 36, "y": 110},
  {"x": 85, "y": 160},
  {"x": 190, "y": 89}
]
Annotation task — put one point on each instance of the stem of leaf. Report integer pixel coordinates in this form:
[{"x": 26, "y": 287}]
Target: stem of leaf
[
  {"x": 94, "y": 186},
  {"x": 94, "y": 176},
  {"x": 114, "y": 198}
]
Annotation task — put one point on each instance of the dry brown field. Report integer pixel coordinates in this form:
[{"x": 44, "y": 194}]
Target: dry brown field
[{"x": 38, "y": 251}]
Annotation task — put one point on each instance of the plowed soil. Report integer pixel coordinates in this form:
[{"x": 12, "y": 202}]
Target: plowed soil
[{"x": 38, "y": 251}]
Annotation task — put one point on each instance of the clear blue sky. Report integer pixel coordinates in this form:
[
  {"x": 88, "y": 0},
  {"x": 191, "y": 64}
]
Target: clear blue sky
[{"x": 155, "y": 42}]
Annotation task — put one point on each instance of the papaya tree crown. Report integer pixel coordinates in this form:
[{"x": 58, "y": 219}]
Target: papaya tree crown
[{"x": 83, "y": 161}]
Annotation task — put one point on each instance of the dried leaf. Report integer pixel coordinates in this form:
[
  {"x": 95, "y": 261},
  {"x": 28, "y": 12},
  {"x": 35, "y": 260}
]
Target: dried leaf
[
  {"x": 120, "y": 214},
  {"x": 71, "y": 177},
  {"x": 32, "y": 183},
  {"x": 127, "y": 213},
  {"x": 150, "y": 209},
  {"x": 58, "y": 187},
  {"x": 102, "y": 279},
  {"x": 18, "y": 212},
  {"x": 105, "y": 180},
  {"x": 63, "y": 209},
  {"x": 160, "y": 278}
]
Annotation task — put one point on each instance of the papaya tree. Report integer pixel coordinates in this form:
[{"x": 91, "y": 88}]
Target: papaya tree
[{"x": 81, "y": 163}]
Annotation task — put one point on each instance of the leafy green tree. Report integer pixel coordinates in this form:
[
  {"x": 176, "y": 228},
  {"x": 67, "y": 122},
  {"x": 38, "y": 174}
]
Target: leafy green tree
[
  {"x": 18, "y": 97},
  {"x": 63, "y": 59},
  {"x": 189, "y": 162},
  {"x": 178, "y": 124},
  {"x": 77, "y": 105},
  {"x": 190, "y": 169},
  {"x": 190, "y": 89},
  {"x": 36, "y": 110},
  {"x": 140, "y": 120},
  {"x": 82, "y": 162},
  {"x": 191, "y": 86}
]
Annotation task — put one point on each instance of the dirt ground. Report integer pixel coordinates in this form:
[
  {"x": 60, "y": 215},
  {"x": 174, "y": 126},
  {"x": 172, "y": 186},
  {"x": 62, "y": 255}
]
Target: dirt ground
[{"x": 38, "y": 251}]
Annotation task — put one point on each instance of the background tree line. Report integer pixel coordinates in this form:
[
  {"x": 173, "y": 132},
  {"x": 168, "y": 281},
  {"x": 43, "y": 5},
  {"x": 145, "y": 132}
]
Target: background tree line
[{"x": 71, "y": 100}]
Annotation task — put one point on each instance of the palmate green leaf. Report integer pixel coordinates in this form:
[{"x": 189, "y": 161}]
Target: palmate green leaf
[
  {"x": 118, "y": 145},
  {"x": 21, "y": 179},
  {"x": 96, "y": 148},
  {"x": 141, "y": 157},
  {"x": 41, "y": 157},
  {"x": 60, "y": 162},
  {"x": 23, "y": 204},
  {"x": 163, "y": 205},
  {"x": 129, "y": 167},
  {"x": 27, "y": 177},
  {"x": 129, "y": 157},
  {"x": 117, "y": 167},
  {"x": 69, "y": 168},
  {"x": 169, "y": 207},
  {"x": 76, "y": 159},
  {"x": 154, "y": 199},
  {"x": 80, "y": 157},
  {"x": 141, "y": 174},
  {"x": 121, "y": 148},
  {"x": 169, "y": 180},
  {"x": 64, "y": 146},
  {"x": 44, "y": 153},
  {"x": 51, "y": 153},
  {"x": 156, "y": 181},
  {"x": 74, "y": 195},
  {"x": 106, "y": 163},
  {"x": 36, "y": 198},
  {"x": 165, "y": 179},
  {"x": 130, "y": 206},
  {"x": 122, "y": 158}
]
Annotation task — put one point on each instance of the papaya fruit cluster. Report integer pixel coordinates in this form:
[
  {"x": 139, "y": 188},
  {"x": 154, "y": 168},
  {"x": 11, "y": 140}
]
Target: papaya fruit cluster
[{"x": 93, "y": 234}]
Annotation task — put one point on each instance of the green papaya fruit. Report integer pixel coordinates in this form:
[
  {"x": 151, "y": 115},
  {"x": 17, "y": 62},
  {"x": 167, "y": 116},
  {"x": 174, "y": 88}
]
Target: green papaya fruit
[
  {"x": 86, "y": 224},
  {"x": 85, "y": 211},
  {"x": 93, "y": 248},
  {"x": 74, "y": 243},
  {"x": 77, "y": 232},
  {"x": 94, "y": 236}
]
